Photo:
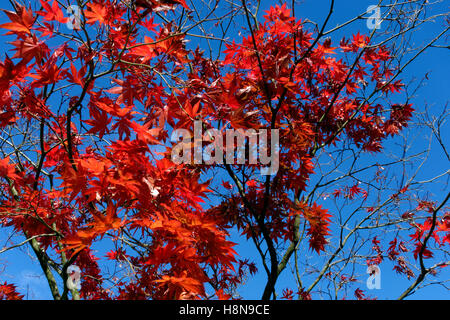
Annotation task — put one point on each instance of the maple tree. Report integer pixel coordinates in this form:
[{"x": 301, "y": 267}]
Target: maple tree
[{"x": 94, "y": 108}]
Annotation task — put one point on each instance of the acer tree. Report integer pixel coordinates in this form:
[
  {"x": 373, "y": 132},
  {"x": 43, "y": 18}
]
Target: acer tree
[{"x": 91, "y": 97}]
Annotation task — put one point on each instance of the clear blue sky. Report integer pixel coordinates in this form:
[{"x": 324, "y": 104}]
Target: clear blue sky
[{"x": 26, "y": 274}]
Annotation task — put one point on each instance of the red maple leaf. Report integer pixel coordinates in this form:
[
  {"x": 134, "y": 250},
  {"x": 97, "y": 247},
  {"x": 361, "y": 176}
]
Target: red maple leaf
[
  {"x": 21, "y": 21},
  {"x": 9, "y": 292},
  {"x": 52, "y": 13},
  {"x": 96, "y": 12}
]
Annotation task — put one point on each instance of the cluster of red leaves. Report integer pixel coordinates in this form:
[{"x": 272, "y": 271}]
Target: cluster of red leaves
[
  {"x": 123, "y": 187},
  {"x": 424, "y": 230},
  {"x": 288, "y": 294},
  {"x": 398, "y": 249},
  {"x": 360, "y": 295},
  {"x": 319, "y": 221},
  {"x": 378, "y": 258},
  {"x": 8, "y": 292},
  {"x": 350, "y": 192},
  {"x": 311, "y": 105},
  {"x": 394, "y": 253}
]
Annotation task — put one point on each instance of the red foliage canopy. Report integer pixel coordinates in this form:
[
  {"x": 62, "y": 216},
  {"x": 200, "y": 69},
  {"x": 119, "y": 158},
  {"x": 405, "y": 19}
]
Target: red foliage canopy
[{"x": 110, "y": 175}]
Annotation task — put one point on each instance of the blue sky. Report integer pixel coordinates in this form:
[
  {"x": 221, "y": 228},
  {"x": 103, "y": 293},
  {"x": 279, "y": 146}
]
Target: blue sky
[{"x": 26, "y": 274}]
